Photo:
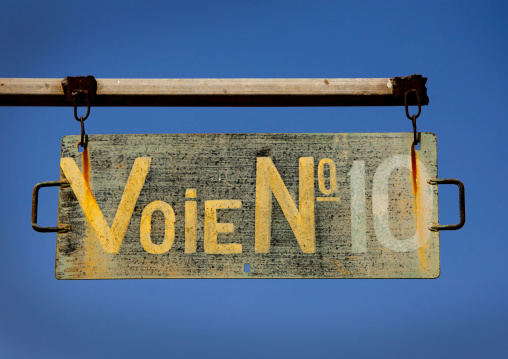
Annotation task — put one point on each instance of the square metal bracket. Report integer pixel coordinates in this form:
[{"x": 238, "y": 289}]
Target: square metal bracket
[
  {"x": 73, "y": 86},
  {"x": 414, "y": 82}
]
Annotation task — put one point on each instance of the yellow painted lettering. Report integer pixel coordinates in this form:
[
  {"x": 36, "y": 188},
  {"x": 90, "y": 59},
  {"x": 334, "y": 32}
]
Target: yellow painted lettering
[
  {"x": 145, "y": 228},
  {"x": 190, "y": 221},
  {"x": 333, "y": 176},
  {"x": 268, "y": 181},
  {"x": 212, "y": 228},
  {"x": 110, "y": 238}
]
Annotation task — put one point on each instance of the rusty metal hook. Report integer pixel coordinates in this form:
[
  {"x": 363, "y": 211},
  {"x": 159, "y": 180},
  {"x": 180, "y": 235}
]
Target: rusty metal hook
[
  {"x": 75, "y": 95},
  {"x": 416, "y": 135},
  {"x": 82, "y": 119},
  {"x": 82, "y": 143},
  {"x": 419, "y": 99}
]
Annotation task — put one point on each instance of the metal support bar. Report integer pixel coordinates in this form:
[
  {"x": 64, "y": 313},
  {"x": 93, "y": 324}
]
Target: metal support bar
[{"x": 218, "y": 92}]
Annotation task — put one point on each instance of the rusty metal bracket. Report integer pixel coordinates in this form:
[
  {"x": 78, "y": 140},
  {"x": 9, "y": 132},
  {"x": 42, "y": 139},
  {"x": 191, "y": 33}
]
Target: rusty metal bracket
[
  {"x": 80, "y": 87},
  {"x": 462, "y": 205},
  {"x": 401, "y": 85},
  {"x": 35, "y": 200}
]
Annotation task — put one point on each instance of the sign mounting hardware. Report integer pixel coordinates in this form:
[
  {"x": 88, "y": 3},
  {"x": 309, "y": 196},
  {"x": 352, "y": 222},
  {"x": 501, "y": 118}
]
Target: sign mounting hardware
[{"x": 78, "y": 89}]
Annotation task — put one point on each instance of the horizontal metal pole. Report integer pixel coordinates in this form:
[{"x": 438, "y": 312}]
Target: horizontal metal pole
[{"x": 211, "y": 92}]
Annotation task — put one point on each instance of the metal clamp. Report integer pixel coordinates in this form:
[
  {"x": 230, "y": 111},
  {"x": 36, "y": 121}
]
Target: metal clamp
[
  {"x": 462, "y": 205},
  {"x": 401, "y": 85},
  {"x": 79, "y": 84},
  {"x": 35, "y": 199}
]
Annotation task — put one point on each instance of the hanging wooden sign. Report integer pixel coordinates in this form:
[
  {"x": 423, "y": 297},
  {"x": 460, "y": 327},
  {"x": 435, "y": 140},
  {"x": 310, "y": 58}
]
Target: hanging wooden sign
[{"x": 248, "y": 206}]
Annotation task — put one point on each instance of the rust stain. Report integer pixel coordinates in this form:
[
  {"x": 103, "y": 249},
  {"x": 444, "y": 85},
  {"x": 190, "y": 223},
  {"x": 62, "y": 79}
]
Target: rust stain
[
  {"x": 418, "y": 205},
  {"x": 120, "y": 165},
  {"x": 94, "y": 261},
  {"x": 86, "y": 165},
  {"x": 326, "y": 82}
]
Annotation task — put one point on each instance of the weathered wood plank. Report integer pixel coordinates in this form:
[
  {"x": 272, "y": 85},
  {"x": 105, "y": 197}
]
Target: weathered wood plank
[
  {"x": 298, "y": 206},
  {"x": 208, "y": 92}
]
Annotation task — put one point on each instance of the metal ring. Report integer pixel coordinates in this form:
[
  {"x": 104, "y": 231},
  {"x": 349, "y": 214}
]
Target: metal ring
[
  {"x": 76, "y": 107},
  {"x": 418, "y": 97}
]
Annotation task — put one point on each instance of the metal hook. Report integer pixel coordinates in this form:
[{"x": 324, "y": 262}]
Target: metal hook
[
  {"x": 75, "y": 95},
  {"x": 82, "y": 143},
  {"x": 82, "y": 119},
  {"x": 418, "y": 97},
  {"x": 416, "y": 135}
]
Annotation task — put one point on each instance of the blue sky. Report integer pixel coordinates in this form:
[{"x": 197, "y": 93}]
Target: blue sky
[{"x": 459, "y": 45}]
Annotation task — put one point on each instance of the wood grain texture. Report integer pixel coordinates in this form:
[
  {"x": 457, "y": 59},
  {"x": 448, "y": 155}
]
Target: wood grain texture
[
  {"x": 224, "y": 167},
  {"x": 208, "y": 92}
]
